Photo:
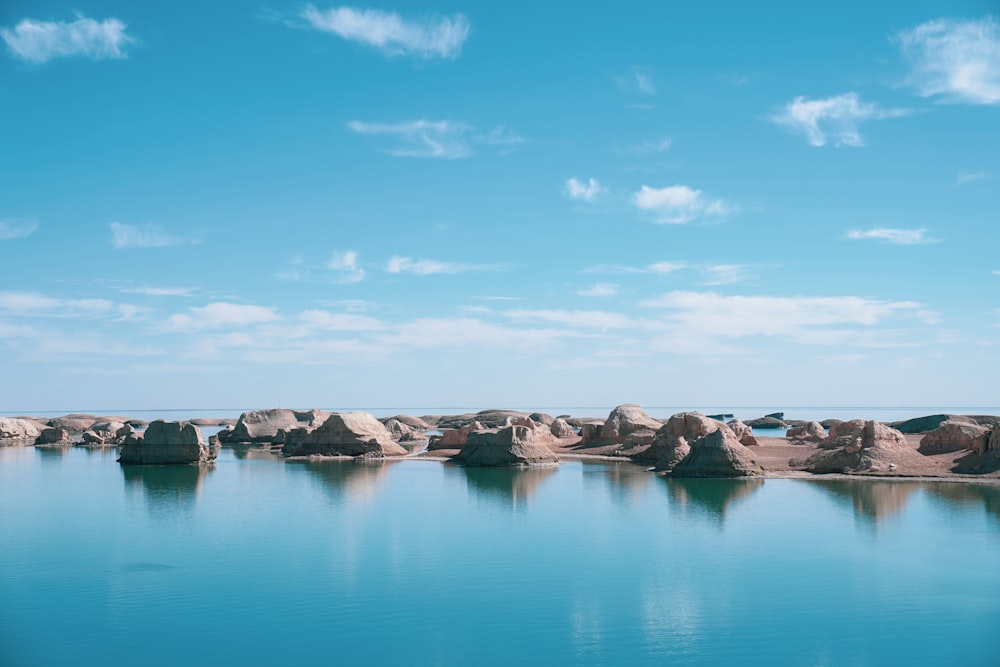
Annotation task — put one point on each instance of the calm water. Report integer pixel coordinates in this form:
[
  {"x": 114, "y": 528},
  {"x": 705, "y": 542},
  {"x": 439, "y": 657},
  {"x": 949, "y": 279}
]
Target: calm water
[{"x": 262, "y": 562}]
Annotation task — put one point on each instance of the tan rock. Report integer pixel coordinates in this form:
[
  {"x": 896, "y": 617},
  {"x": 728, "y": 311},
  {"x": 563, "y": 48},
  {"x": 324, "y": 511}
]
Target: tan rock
[
  {"x": 811, "y": 432},
  {"x": 263, "y": 425},
  {"x": 743, "y": 432},
  {"x": 718, "y": 454},
  {"x": 18, "y": 429},
  {"x": 167, "y": 443},
  {"x": 871, "y": 448},
  {"x": 510, "y": 446},
  {"x": 560, "y": 428},
  {"x": 343, "y": 434},
  {"x": 953, "y": 436}
]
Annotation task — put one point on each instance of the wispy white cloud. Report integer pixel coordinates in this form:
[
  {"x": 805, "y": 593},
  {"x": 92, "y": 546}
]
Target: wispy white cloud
[
  {"x": 41, "y": 41},
  {"x": 585, "y": 319},
  {"x": 221, "y": 314},
  {"x": 647, "y": 146},
  {"x": 955, "y": 61},
  {"x": 599, "y": 289},
  {"x": 145, "y": 236},
  {"x": 427, "y": 267},
  {"x": 833, "y": 119},
  {"x": 657, "y": 267},
  {"x": 390, "y": 33},
  {"x": 501, "y": 136},
  {"x": 12, "y": 228},
  {"x": 737, "y": 316},
  {"x": 345, "y": 265},
  {"x": 639, "y": 80},
  {"x": 464, "y": 332},
  {"x": 679, "y": 204},
  {"x": 890, "y": 235},
  {"x": 725, "y": 274},
  {"x": 160, "y": 291},
  {"x": 420, "y": 138},
  {"x": 33, "y": 304},
  {"x": 965, "y": 177},
  {"x": 321, "y": 319},
  {"x": 443, "y": 139},
  {"x": 576, "y": 189}
]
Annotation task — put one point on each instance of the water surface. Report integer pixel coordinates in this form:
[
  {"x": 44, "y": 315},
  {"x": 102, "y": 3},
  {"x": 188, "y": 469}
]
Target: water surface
[{"x": 261, "y": 562}]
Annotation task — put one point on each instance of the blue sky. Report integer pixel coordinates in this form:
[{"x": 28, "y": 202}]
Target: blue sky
[{"x": 475, "y": 204}]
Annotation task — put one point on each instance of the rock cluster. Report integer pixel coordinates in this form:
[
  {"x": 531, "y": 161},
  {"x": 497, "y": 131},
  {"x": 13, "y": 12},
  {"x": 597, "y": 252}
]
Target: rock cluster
[
  {"x": 262, "y": 426},
  {"x": 866, "y": 447},
  {"x": 717, "y": 454},
  {"x": 17, "y": 429},
  {"x": 953, "y": 436},
  {"x": 811, "y": 432}
]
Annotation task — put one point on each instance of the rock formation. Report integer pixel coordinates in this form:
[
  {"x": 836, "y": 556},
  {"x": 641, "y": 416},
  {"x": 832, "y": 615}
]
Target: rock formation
[
  {"x": 811, "y": 432},
  {"x": 455, "y": 438},
  {"x": 343, "y": 434},
  {"x": 166, "y": 443},
  {"x": 53, "y": 436},
  {"x": 766, "y": 422},
  {"x": 629, "y": 423},
  {"x": 953, "y": 436},
  {"x": 718, "y": 454},
  {"x": 510, "y": 446},
  {"x": 107, "y": 434},
  {"x": 263, "y": 425},
  {"x": 403, "y": 432},
  {"x": 743, "y": 432},
  {"x": 871, "y": 448},
  {"x": 561, "y": 429},
  {"x": 673, "y": 440},
  {"x": 17, "y": 429}
]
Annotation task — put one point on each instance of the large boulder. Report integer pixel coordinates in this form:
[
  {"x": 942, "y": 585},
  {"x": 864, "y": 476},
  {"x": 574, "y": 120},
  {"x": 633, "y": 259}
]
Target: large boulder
[
  {"x": 344, "y": 434},
  {"x": 743, "y": 433},
  {"x": 561, "y": 429},
  {"x": 18, "y": 429},
  {"x": 415, "y": 423},
  {"x": 718, "y": 454},
  {"x": 263, "y": 425},
  {"x": 488, "y": 418},
  {"x": 166, "y": 443},
  {"x": 954, "y": 436},
  {"x": 811, "y": 432},
  {"x": 673, "y": 439},
  {"x": 403, "y": 432},
  {"x": 924, "y": 424},
  {"x": 872, "y": 448},
  {"x": 510, "y": 446},
  {"x": 629, "y": 423},
  {"x": 53, "y": 436}
]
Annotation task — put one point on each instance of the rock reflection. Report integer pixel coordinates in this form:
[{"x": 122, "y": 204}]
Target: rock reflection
[
  {"x": 873, "y": 501},
  {"x": 347, "y": 479},
  {"x": 968, "y": 495},
  {"x": 624, "y": 481},
  {"x": 52, "y": 454},
  {"x": 714, "y": 497},
  {"x": 254, "y": 452},
  {"x": 511, "y": 487},
  {"x": 168, "y": 490}
]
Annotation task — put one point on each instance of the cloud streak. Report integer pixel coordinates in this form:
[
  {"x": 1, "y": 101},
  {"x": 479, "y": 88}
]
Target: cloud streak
[
  {"x": 833, "y": 119},
  {"x": 580, "y": 191},
  {"x": 443, "y": 139},
  {"x": 11, "y": 229},
  {"x": 427, "y": 267},
  {"x": 146, "y": 235},
  {"x": 680, "y": 204},
  {"x": 957, "y": 62},
  {"x": 41, "y": 41},
  {"x": 427, "y": 38},
  {"x": 345, "y": 265},
  {"x": 891, "y": 235}
]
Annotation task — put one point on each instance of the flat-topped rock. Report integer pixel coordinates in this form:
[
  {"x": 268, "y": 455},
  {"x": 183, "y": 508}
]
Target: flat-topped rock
[
  {"x": 766, "y": 422},
  {"x": 510, "y": 446},
  {"x": 954, "y": 436},
  {"x": 53, "y": 436},
  {"x": 356, "y": 434},
  {"x": 166, "y": 443},
  {"x": 415, "y": 423},
  {"x": 488, "y": 418},
  {"x": 718, "y": 454},
  {"x": 263, "y": 425},
  {"x": 18, "y": 429}
]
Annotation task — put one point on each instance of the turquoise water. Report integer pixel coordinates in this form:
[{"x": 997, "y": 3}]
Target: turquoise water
[{"x": 263, "y": 562}]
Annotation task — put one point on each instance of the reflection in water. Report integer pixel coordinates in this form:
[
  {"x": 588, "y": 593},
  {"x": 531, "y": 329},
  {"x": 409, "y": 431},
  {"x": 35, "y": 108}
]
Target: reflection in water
[
  {"x": 509, "y": 486},
  {"x": 712, "y": 496},
  {"x": 873, "y": 500},
  {"x": 623, "y": 480},
  {"x": 987, "y": 495},
  {"x": 249, "y": 451},
  {"x": 347, "y": 479},
  {"x": 53, "y": 454},
  {"x": 167, "y": 489}
]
